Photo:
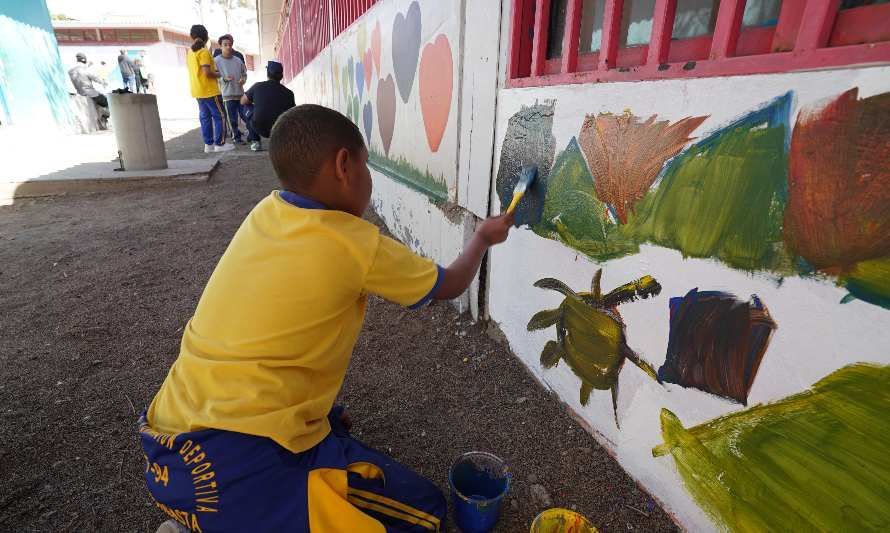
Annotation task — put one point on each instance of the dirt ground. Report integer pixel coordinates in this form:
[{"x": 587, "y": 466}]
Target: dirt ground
[{"x": 95, "y": 291}]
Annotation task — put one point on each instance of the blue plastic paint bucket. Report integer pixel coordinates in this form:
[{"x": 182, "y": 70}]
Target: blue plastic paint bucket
[{"x": 479, "y": 481}]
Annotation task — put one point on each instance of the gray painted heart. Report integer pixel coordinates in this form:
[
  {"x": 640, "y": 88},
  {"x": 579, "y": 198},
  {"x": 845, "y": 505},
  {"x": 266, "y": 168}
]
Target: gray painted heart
[
  {"x": 368, "y": 121},
  {"x": 386, "y": 110},
  {"x": 406, "y": 48}
]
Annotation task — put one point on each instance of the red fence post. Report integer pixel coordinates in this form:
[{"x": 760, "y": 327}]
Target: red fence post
[
  {"x": 726, "y": 30},
  {"x": 816, "y": 25},
  {"x": 539, "y": 46},
  {"x": 662, "y": 29},
  {"x": 571, "y": 35},
  {"x": 612, "y": 14}
]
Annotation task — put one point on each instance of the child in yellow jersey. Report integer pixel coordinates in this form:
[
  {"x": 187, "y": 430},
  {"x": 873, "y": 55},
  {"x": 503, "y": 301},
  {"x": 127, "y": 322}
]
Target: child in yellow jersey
[
  {"x": 203, "y": 82},
  {"x": 243, "y": 434}
]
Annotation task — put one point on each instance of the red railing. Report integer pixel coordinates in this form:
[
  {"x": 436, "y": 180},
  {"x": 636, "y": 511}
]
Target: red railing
[
  {"x": 310, "y": 25},
  {"x": 809, "y": 34}
]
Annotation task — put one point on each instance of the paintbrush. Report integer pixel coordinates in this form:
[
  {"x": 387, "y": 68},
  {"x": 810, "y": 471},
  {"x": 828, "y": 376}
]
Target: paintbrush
[{"x": 526, "y": 177}]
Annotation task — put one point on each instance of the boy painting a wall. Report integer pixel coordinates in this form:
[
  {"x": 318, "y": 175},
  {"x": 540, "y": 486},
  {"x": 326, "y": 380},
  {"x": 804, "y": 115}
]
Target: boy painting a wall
[{"x": 243, "y": 434}]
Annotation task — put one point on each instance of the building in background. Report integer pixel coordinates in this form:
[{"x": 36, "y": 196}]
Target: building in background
[
  {"x": 161, "y": 48},
  {"x": 33, "y": 82},
  {"x": 725, "y": 163}
]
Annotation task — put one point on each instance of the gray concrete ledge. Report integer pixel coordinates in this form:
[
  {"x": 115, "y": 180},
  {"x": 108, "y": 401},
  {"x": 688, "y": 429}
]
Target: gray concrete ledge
[{"x": 102, "y": 177}]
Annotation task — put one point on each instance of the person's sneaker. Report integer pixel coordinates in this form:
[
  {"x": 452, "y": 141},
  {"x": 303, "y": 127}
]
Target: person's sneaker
[
  {"x": 256, "y": 146},
  {"x": 172, "y": 526},
  {"x": 223, "y": 147},
  {"x": 208, "y": 148}
]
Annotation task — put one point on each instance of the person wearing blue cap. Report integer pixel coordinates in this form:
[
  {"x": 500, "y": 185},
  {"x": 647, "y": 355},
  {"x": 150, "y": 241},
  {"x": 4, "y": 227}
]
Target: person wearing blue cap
[{"x": 268, "y": 99}]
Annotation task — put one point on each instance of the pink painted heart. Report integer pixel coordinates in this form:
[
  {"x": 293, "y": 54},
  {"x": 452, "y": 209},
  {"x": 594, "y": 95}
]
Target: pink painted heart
[
  {"x": 375, "y": 46},
  {"x": 386, "y": 110},
  {"x": 369, "y": 68},
  {"x": 436, "y": 84}
]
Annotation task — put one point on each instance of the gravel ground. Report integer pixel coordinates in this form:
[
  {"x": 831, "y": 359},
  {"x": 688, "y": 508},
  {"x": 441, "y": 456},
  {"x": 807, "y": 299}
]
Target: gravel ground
[{"x": 96, "y": 290}]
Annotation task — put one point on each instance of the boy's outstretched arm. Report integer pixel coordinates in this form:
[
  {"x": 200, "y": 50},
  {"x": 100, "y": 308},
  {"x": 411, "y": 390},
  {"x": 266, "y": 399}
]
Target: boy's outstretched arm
[{"x": 459, "y": 274}]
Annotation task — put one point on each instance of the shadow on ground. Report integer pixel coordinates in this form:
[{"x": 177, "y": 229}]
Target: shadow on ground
[{"x": 97, "y": 289}]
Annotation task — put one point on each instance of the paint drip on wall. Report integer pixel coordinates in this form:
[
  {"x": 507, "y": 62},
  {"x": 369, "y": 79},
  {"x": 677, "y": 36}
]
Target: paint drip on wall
[
  {"x": 528, "y": 141},
  {"x": 716, "y": 343},
  {"x": 625, "y": 155},
  {"x": 814, "y": 461},
  {"x": 591, "y": 334},
  {"x": 839, "y": 190}
]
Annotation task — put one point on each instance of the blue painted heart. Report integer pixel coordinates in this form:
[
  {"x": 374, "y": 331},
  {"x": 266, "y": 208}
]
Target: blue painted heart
[{"x": 406, "y": 48}]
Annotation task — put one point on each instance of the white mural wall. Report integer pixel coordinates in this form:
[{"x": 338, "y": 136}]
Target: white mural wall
[{"x": 814, "y": 319}]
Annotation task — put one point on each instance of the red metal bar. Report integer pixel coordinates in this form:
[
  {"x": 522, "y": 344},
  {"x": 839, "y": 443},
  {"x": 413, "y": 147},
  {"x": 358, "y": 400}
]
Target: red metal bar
[
  {"x": 539, "y": 46},
  {"x": 790, "y": 16},
  {"x": 662, "y": 29},
  {"x": 818, "y": 21},
  {"x": 571, "y": 36},
  {"x": 727, "y": 28},
  {"x": 515, "y": 38},
  {"x": 614, "y": 10},
  {"x": 612, "y": 14}
]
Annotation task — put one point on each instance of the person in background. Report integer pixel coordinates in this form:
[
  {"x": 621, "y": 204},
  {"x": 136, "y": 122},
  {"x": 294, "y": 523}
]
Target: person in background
[
  {"x": 269, "y": 99},
  {"x": 236, "y": 53},
  {"x": 128, "y": 70},
  {"x": 141, "y": 77},
  {"x": 234, "y": 74},
  {"x": 83, "y": 81},
  {"x": 202, "y": 79}
]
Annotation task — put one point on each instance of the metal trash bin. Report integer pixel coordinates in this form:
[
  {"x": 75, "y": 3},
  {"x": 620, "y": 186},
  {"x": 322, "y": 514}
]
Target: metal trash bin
[{"x": 137, "y": 128}]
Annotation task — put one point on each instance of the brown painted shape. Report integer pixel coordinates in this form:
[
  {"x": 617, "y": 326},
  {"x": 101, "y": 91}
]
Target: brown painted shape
[
  {"x": 386, "y": 110},
  {"x": 626, "y": 155},
  {"x": 838, "y": 210},
  {"x": 716, "y": 343}
]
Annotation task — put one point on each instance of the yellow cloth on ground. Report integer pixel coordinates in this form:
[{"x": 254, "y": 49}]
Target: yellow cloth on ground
[
  {"x": 202, "y": 86},
  {"x": 268, "y": 346}
]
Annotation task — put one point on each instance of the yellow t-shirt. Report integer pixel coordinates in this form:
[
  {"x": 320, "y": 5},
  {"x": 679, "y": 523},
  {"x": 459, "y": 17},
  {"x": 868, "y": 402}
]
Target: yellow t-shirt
[
  {"x": 267, "y": 348},
  {"x": 202, "y": 86}
]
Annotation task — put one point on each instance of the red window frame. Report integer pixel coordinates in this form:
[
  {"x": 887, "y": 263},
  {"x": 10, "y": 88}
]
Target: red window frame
[{"x": 810, "y": 34}]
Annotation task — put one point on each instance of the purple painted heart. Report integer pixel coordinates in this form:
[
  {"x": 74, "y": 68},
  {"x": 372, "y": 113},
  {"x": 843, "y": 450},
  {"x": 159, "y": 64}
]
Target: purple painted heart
[
  {"x": 406, "y": 48},
  {"x": 386, "y": 110}
]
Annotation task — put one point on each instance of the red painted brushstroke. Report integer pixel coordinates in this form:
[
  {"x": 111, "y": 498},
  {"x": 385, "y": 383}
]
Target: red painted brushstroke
[{"x": 838, "y": 210}]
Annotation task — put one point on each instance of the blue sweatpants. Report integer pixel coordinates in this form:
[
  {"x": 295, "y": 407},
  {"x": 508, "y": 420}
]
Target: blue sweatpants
[
  {"x": 213, "y": 480},
  {"x": 211, "y": 114},
  {"x": 234, "y": 110}
]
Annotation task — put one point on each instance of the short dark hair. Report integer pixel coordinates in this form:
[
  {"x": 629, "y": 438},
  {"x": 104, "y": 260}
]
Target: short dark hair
[
  {"x": 305, "y": 136},
  {"x": 277, "y": 76},
  {"x": 225, "y": 37}
]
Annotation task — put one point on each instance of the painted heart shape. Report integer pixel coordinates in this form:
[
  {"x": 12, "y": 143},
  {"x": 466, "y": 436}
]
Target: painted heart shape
[
  {"x": 368, "y": 62},
  {"x": 350, "y": 65},
  {"x": 386, "y": 110},
  {"x": 368, "y": 121},
  {"x": 344, "y": 87},
  {"x": 355, "y": 109},
  {"x": 406, "y": 48},
  {"x": 360, "y": 78},
  {"x": 375, "y": 46},
  {"x": 361, "y": 40},
  {"x": 436, "y": 84}
]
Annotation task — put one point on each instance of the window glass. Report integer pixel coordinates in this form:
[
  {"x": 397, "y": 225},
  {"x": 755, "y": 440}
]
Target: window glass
[
  {"x": 850, "y": 4},
  {"x": 592, "y": 25},
  {"x": 557, "y": 28},
  {"x": 761, "y": 12}
]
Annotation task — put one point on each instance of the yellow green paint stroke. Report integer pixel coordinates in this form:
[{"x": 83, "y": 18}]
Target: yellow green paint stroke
[
  {"x": 869, "y": 281},
  {"x": 814, "y": 461}
]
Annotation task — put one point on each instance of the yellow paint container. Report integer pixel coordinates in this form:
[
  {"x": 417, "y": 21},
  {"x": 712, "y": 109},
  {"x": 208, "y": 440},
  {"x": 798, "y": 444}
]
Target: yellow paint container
[{"x": 558, "y": 520}]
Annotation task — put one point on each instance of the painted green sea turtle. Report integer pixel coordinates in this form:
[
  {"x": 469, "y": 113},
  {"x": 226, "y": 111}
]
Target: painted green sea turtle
[{"x": 591, "y": 333}]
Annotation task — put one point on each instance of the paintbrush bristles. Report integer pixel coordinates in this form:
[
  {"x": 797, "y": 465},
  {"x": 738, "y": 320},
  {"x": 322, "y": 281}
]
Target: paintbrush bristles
[{"x": 526, "y": 176}]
